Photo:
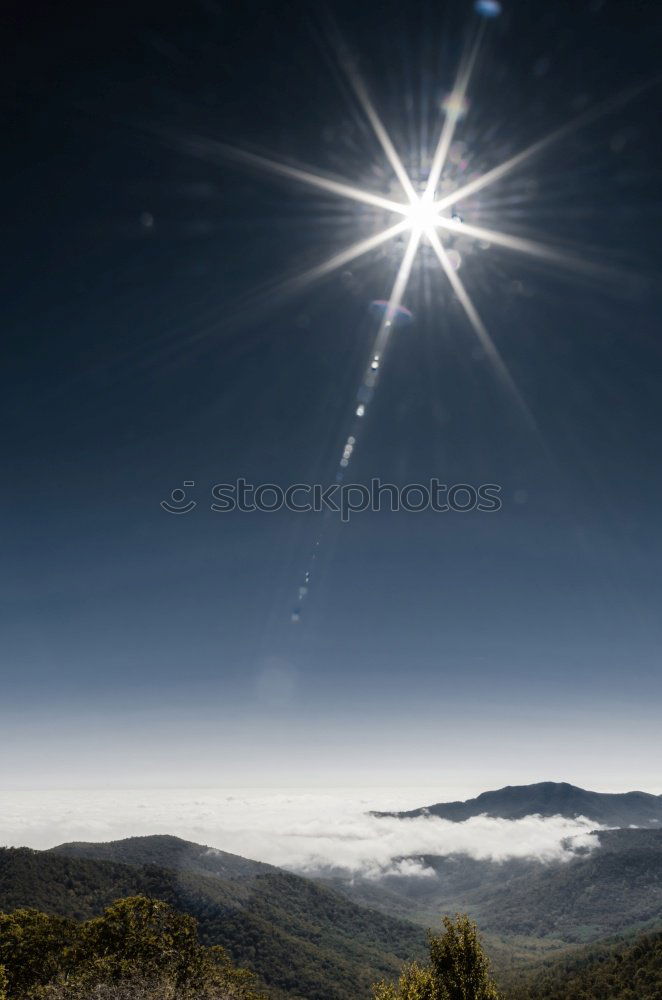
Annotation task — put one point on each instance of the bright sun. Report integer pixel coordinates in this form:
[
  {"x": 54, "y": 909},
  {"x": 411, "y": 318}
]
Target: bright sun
[{"x": 422, "y": 215}]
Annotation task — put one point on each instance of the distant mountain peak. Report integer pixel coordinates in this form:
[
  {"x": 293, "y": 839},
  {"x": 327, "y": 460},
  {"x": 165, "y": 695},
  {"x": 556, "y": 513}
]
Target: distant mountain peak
[{"x": 550, "y": 798}]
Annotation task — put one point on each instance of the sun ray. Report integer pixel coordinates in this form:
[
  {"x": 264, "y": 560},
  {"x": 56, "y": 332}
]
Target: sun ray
[
  {"x": 452, "y": 116},
  {"x": 522, "y": 245},
  {"x": 499, "y": 171},
  {"x": 379, "y": 130},
  {"x": 397, "y": 292},
  {"x": 273, "y": 295},
  {"x": 340, "y": 259},
  {"x": 210, "y": 150},
  {"x": 476, "y": 322},
  {"x": 496, "y": 173}
]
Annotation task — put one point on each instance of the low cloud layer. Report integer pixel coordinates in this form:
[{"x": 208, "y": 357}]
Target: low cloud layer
[{"x": 305, "y": 832}]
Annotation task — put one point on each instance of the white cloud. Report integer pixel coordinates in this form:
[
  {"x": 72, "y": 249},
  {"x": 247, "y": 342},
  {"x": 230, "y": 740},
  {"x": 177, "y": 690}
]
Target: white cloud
[{"x": 306, "y": 832}]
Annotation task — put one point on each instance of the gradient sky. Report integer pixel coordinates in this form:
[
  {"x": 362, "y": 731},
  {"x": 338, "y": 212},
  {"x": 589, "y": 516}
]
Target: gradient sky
[{"x": 465, "y": 650}]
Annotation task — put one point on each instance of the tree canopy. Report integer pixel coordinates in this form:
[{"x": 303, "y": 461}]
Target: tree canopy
[
  {"x": 458, "y": 968},
  {"x": 139, "y": 948}
]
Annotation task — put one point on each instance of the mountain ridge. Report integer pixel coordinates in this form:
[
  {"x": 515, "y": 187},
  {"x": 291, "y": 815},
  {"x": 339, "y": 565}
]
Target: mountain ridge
[
  {"x": 167, "y": 851},
  {"x": 548, "y": 798}
]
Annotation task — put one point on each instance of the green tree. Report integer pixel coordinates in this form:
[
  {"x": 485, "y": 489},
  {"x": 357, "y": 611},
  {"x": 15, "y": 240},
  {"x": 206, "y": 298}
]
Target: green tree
[
  {"x": 33, "y": 947},
  {"x": 147, "y": 943},
  {"x": 140, "y": 935},
  {"x": 139, "y": 949},
  {"x": 458, "y": 968}
]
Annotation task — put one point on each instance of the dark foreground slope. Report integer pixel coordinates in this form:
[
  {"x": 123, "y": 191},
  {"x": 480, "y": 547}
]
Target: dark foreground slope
[
  {"x": 302, "y": 939},
  {"x": 550, "y": 798}
]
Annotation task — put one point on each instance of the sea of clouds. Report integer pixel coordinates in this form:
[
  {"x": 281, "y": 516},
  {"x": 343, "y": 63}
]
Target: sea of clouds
[{"x": 304, "y": 831}]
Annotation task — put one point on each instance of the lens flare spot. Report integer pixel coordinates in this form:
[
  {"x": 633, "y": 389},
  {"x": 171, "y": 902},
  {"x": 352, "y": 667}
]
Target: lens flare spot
[
  {"x": 454, "y": 259},
  {"x": 488, "y": 8},
  {"x": 455, "y": 105},
  {"x": 400, "y": 314}
]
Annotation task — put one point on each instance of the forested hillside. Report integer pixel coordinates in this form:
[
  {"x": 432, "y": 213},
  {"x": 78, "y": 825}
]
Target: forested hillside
[
  {"x": 624, "y": 971},
  {"x": 609, "y": 890},
  {"x": 301, "y": 939},
  {"x": 168, "y": 852}
]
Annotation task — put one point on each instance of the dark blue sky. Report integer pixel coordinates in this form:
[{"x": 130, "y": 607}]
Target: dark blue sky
[{"x": 142, "y": 349}]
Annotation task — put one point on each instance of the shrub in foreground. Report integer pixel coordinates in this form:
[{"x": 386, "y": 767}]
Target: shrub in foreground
[
  {"x": 139, "y": 949},
  {"x": 458, "y": 969}
]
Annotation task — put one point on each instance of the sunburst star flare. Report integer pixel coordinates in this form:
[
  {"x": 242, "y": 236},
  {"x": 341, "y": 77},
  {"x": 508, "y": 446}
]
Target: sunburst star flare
[
  {"x": 422, "y": 216},
  {"x": 421, "y": 212}
]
